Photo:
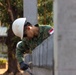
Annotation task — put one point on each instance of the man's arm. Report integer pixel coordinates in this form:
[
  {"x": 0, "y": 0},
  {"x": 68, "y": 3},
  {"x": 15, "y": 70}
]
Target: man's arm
[
  {"x": 19, "y": 51},
  {"x": 19, "y": 54}
]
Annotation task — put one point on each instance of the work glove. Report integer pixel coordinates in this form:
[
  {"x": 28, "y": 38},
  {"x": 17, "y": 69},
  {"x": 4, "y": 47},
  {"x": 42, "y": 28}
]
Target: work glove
[{"x": 23, "y": 66}]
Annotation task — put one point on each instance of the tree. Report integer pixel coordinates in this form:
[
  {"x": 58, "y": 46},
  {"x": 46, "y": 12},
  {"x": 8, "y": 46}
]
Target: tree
[
  {"x": 45, "y": 12},
  {"x": 9, "y": 11}
]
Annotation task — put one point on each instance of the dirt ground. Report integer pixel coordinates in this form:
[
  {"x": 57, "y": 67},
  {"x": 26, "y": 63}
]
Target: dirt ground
[{"x": 3, "y": 70}]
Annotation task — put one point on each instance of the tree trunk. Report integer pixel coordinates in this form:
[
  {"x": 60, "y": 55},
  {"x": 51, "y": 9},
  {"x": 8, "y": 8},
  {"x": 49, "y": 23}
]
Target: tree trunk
[{"x": 12, "y": 61}]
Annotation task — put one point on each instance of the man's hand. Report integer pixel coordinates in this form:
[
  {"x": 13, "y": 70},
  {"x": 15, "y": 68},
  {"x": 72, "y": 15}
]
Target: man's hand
[{"x": 24, "y": 66}]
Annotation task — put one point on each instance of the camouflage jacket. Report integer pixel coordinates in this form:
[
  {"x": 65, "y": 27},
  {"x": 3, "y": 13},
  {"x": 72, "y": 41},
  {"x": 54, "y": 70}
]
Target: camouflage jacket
[{"x": 27, "y": 44}]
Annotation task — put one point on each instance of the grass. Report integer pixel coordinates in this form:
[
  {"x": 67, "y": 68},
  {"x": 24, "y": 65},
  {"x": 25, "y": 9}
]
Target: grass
[{"x": 3, "y": 60}]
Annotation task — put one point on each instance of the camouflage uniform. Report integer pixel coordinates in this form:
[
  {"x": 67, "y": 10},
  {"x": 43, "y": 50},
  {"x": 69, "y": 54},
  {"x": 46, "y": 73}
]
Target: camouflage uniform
[{"x": 27, "y": 44}]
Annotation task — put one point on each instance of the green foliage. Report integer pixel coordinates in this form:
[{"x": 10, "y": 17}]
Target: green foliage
[
  {"x": 45, "y": 12},
  {"x": 3, "y": 12},
  {"x": 16, "y": 7},
  {"x": 2, "y": 60}
]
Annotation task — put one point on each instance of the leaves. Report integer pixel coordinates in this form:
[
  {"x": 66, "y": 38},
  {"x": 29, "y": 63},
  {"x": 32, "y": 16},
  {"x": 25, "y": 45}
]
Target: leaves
[
  {"x": 45, "y": 12},
  {"x": 10, "y": 10}
]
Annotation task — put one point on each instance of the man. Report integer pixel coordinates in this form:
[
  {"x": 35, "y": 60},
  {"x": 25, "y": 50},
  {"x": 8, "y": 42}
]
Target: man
[{"x": 31, "y": 36}]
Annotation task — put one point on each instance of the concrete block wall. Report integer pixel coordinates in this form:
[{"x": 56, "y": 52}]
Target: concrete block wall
[
  {"x": 42, "y": 55},
  {"x": 65, "y": 37},
  {"x": 27, "y": 58}
]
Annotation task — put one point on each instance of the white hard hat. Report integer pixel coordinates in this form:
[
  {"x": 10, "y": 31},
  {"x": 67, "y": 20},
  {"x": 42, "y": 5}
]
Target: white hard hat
[{"x": 18, "y": 27}]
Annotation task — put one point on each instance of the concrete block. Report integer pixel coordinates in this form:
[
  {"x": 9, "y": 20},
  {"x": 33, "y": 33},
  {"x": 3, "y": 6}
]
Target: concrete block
[
  {"x": 30, "y": 11},
  {"x": 65, "y": 41},
  {"x": 41, "y": 52},
  {"x": 50, "y": 49},
  {"x": 41, "y": 71},
  {"x": 44, "y": 54},
  {"x": 27, "y": 58},
  {"x": 37, "y": 56}
]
